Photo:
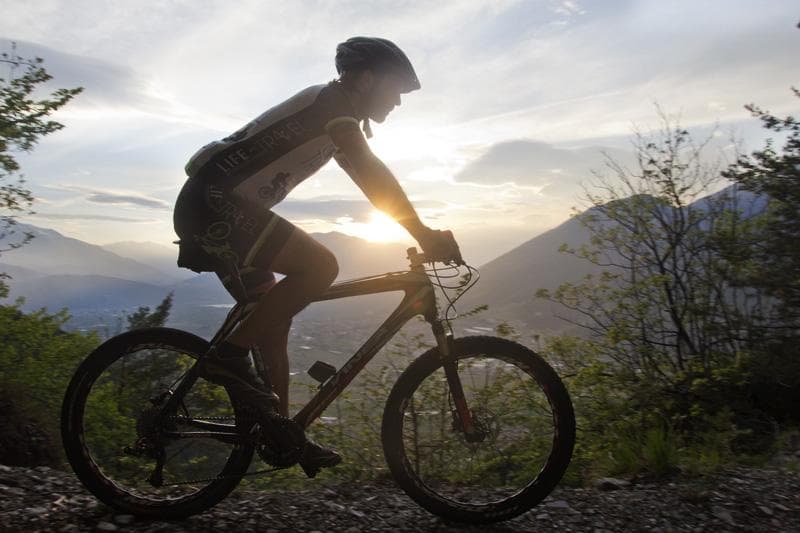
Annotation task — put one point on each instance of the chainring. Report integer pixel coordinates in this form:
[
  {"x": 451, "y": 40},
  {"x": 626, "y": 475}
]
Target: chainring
[{"x": 280, "y": 440}]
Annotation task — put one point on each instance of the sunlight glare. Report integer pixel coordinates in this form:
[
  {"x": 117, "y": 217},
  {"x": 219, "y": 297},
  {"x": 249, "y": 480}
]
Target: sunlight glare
[{"x": 380, "y": 228}]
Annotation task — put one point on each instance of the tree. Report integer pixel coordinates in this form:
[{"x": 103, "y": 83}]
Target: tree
[
  {"x": 659, "y": 306},
  {"x": 23, "y": 122},
  {"x": 763, "y": 254},
  {"x": 666, "y": 330},
  {"x": 37, "y": 359},
  {"x": 772, "y": 261},
  {"x": 143, "y": 318}
]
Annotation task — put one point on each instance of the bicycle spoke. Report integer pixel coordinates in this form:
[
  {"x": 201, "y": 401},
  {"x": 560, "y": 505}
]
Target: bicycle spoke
[
  {"x": 123, "y": 410},
  {"x": 515, "y": 429}
]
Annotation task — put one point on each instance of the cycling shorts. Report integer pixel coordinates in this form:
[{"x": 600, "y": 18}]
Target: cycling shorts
[{"x": 218, "y": 230}]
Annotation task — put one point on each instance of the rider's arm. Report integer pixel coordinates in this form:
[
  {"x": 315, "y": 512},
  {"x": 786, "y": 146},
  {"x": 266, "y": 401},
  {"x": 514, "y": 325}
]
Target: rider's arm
[{"x": 374, "y": 178}]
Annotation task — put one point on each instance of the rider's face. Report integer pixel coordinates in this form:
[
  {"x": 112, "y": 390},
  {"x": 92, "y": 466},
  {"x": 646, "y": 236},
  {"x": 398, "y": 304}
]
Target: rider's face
[{"x": 385, "y": 96}]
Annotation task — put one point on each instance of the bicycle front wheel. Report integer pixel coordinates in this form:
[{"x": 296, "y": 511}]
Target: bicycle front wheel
[
  {"x": 114, "y": 436},
  {"x": 525, "y": 431}
]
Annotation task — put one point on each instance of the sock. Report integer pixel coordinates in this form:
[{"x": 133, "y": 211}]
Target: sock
[{"x": 230, "y": 350}]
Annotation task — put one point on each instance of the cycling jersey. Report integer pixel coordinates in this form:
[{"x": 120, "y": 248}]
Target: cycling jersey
[
  {"x": 272, "y": 154},
  {"x": 222, "y": 212}
]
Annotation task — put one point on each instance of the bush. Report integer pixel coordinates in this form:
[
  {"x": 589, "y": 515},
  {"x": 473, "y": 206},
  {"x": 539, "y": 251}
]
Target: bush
[
  {"x": 37, "y": 359},
  {"x": 28, "y": 432}
]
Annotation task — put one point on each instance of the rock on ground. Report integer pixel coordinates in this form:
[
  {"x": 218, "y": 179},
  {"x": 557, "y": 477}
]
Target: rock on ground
[{"x": 44, "y": 499}]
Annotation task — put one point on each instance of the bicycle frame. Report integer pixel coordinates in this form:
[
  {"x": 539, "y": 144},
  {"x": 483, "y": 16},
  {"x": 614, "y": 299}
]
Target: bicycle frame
[{"x": 419, "y": 299}]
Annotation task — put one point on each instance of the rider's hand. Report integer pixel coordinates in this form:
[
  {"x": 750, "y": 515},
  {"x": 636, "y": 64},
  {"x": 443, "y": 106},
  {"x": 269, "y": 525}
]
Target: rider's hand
[{"x": 440, "y": 246}]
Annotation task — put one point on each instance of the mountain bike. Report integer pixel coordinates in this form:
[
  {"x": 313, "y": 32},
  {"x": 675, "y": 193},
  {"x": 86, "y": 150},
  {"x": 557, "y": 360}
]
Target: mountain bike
[{"x": 476, "y": 429}]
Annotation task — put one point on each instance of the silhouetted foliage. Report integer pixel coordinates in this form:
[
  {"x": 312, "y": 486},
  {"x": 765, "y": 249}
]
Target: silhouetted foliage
[
  {"x": 771, "y": 261},
  {"x": 143, "y": 318},
  {"x": 677, "y": 362},
  {"x": 37, "y": 359},
  {"x": 23, "y": 122}
]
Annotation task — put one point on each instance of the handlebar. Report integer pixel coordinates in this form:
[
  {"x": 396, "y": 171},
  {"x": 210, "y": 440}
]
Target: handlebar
[
  {"x": 450, "y": 255},
  {"x": 418, "y": 259},
  {"x": 439, "y": 246}
]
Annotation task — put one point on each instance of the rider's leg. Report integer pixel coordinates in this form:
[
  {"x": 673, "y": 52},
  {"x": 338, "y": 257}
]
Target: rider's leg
[
  {"x": 273, "y": 348},
  {"x": 309, "y": 269}
]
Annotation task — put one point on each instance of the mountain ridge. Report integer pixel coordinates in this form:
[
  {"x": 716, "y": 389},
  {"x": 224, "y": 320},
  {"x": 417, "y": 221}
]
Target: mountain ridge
[
  {"x": 508, "y": 282},
  {"x": 53, "y": 253}
]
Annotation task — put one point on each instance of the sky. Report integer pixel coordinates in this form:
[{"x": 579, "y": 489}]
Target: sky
[{"x": 519, "y": 100}]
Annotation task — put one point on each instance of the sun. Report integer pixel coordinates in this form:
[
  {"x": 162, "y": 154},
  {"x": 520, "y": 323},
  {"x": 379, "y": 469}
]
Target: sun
[{"x": 380, "y": 228}]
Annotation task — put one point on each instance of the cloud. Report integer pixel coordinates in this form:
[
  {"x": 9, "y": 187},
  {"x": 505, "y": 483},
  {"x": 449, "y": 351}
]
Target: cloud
[
  {"x": 66, "y": 216},
  {"x": 164, "y": 78},
  {"x": 119, "y": 96},
  {"x": 567, "y": 8},
  {"x": 555, "y": 171},
  {"x": 325, "y": 209},
  {"x": 127, "y": 199},
  {"x": 104, "y": 83},
  {"x": 111, "y": 197},
  {"x": 332, "y": 209},
  {"x": 597, "y": 74}
]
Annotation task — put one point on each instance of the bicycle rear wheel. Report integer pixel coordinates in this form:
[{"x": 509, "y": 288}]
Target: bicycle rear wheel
[
  {"x": 524, "y": 417},
  {"x": 109, "y": 415}
]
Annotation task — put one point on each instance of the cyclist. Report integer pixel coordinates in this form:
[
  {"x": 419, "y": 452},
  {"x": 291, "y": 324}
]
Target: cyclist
[{"x": 223, "y": 218}]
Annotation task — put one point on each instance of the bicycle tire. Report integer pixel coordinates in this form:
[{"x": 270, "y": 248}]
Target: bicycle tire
[
  {"x": 132, "y": 348},
  {"x": 441, "y": 484}
]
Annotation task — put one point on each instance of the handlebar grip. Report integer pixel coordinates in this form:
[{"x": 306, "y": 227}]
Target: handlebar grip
[
  {"x": 440, "y": 246},
  {"x": 456, "y": 250}
]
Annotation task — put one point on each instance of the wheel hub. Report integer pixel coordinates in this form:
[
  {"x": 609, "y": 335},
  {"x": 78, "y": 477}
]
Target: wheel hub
[
  {"x": 483, "y": 424},
  {"x": 150, "y": 428}
]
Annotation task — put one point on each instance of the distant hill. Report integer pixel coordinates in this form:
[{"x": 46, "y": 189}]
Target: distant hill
[
  {"x": 51, "y": 253},
  {"x": 160, "y": 256},
  {"x": 17, "y": 272},
  {"x": 356, "y": 257},
  {"x": 82, "y": 293},
  {"x": 57, "y": 271},
  {"x": 508, "y": 283},
  {"x": 199, "y": 303},
  {"x": 100, "y": 285}
]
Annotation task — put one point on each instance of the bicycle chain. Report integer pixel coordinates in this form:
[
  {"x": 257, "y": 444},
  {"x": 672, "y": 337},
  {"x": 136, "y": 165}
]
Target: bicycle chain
[
  {"x": 217, "y": 478},
  {"x": 183, "y": 418}
]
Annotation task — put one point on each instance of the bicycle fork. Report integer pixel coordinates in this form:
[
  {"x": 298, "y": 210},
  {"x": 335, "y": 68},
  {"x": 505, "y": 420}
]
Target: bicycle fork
[{"x": 464, "y": 415}]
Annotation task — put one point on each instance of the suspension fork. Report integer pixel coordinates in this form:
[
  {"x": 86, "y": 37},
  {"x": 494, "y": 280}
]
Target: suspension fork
[{"x": 450, "y": 365}]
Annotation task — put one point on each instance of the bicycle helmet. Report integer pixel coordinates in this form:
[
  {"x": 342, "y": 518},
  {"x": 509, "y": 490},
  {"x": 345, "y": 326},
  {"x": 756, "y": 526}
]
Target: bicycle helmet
[{"x": 379, "y": 55}]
